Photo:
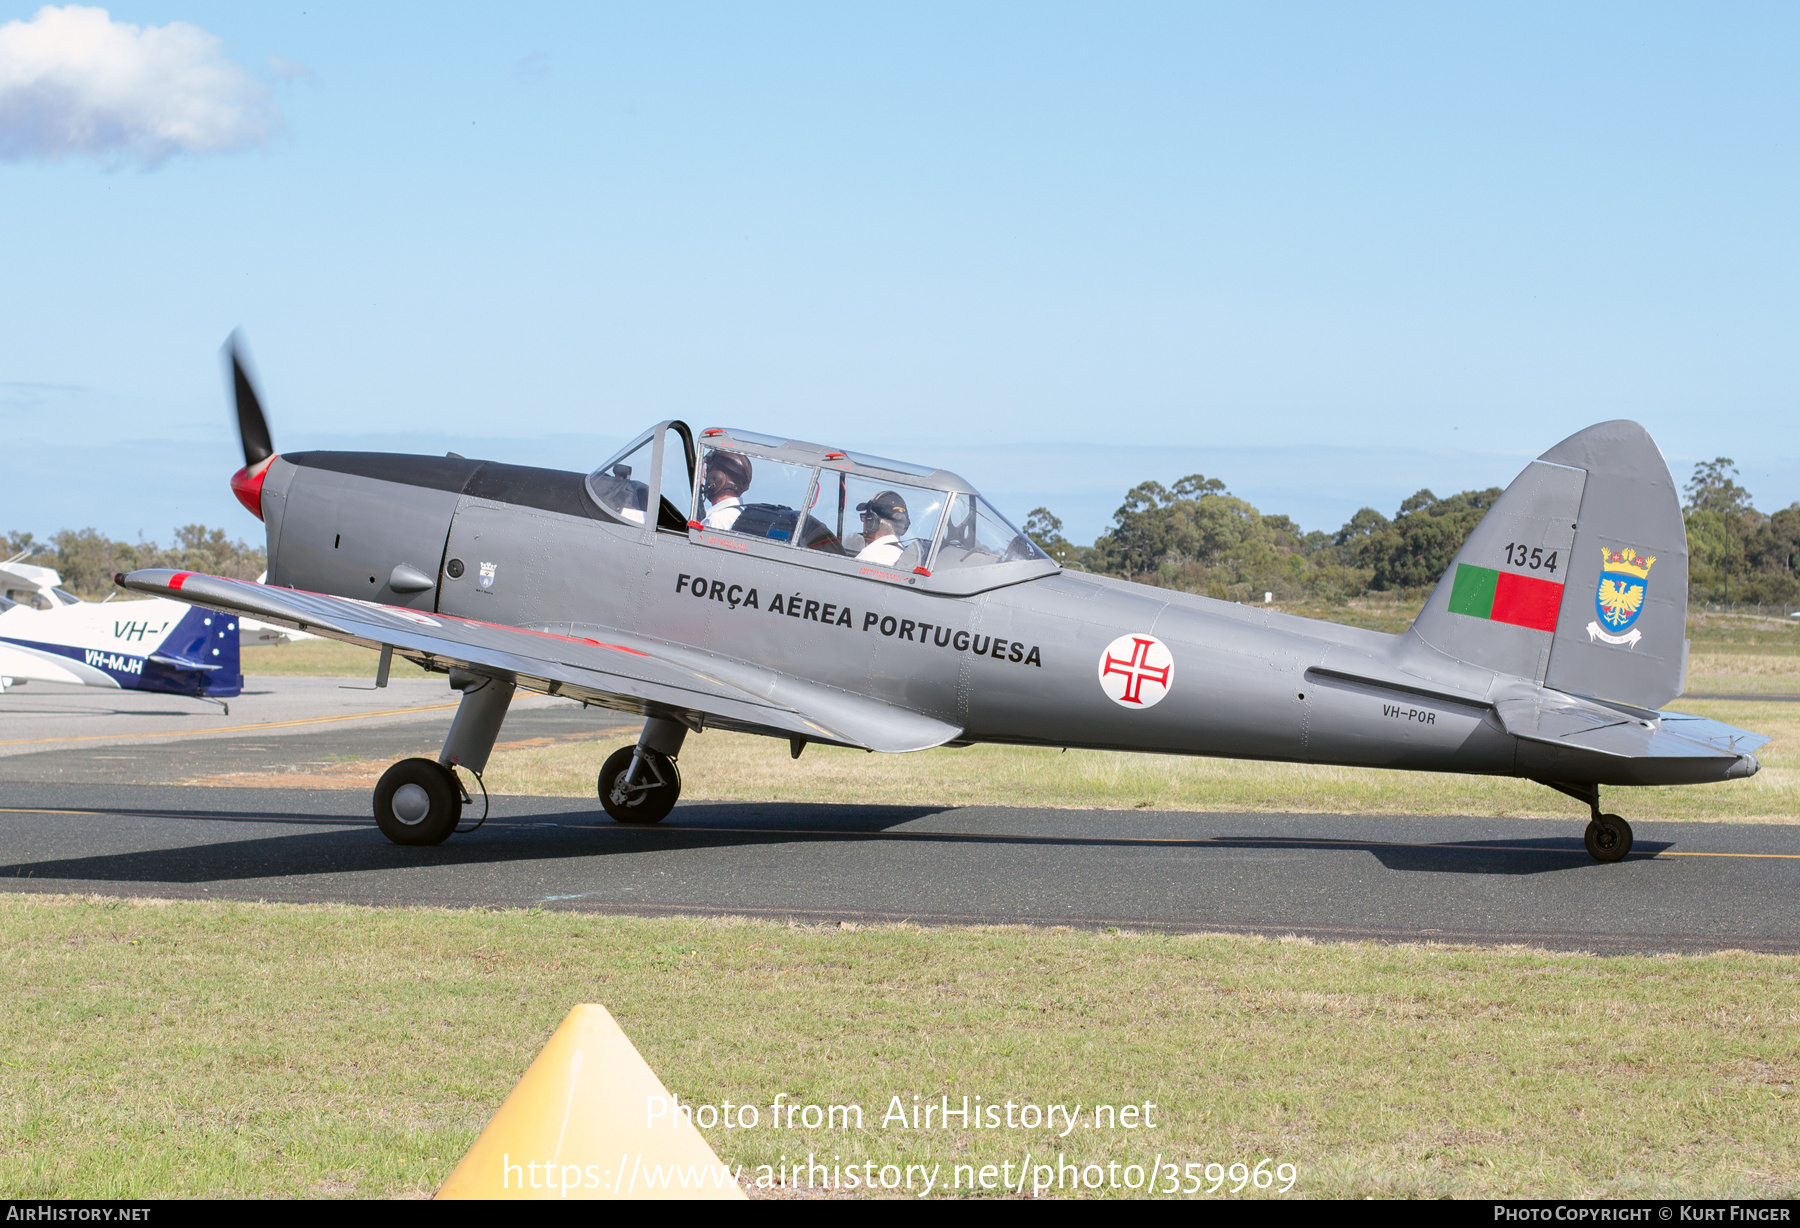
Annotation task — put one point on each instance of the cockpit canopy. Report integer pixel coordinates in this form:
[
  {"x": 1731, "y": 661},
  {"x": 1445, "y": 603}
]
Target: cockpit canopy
[
  {"x": 898, "y": 516},
  {"x": 40, "y": 588}
]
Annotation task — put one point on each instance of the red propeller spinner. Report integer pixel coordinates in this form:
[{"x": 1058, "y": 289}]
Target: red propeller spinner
[{"x": 247, "y": 484}]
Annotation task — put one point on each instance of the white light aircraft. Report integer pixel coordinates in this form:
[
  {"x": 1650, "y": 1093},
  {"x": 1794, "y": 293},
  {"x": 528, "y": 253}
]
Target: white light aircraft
[{"x": 47, "y": 634}]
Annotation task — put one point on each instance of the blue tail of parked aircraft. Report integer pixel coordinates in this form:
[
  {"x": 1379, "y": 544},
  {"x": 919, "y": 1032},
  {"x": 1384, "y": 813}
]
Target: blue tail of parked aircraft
[
  {"x": 159, "y": 646},
  {"x": 199, "y": 657}
]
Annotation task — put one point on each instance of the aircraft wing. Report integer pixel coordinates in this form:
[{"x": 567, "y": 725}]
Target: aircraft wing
[{"x": 598, "y": 665}]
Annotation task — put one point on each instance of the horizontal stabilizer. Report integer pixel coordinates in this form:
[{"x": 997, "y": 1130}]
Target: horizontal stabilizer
[
  {"x": 163, "y": 658},
  {"x": 1728, "y": 739},
  {"x": 1567, "y": 721}
]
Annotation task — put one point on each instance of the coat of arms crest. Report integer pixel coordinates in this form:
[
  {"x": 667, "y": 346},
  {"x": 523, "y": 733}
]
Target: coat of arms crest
[{"x": 1619, "y": 597}]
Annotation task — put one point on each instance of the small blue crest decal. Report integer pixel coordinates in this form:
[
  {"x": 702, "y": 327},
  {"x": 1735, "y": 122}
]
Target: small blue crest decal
[{"x": 1619, "y": 597}]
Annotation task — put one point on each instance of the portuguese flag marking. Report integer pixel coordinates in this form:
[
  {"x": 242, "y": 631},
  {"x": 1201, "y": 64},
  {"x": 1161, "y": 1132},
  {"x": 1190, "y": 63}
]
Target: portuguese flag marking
[{"x": 1503, "y": 597}]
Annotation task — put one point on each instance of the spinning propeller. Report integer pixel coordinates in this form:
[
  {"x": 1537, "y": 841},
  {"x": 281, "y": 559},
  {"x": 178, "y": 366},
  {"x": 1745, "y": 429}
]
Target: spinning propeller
[{"x": 253, "y": 429}]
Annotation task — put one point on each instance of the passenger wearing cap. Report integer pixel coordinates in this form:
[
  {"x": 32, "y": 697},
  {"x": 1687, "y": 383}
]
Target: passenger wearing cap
[
  {"x": 884, "y": 519},
  {"x": 727, "y": 478}
]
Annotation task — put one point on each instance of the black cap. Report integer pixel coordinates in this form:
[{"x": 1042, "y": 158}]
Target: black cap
[
  {"x": 889, "y": 507},
  {"x": 886, "y": 505}
]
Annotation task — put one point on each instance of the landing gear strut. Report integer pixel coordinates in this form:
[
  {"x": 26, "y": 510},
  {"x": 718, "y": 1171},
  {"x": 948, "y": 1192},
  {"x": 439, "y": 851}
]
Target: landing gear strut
[
  {"x": 640, "y": 784},
  {"x": 1608, "y": 837},
  {"x": 419, "y": 801}
]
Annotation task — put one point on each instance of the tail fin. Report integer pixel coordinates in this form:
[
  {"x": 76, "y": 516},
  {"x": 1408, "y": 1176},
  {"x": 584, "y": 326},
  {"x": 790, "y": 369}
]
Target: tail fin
[
  {"x": 200, "y": 656},
  {"x": 1577, "y": 577}
]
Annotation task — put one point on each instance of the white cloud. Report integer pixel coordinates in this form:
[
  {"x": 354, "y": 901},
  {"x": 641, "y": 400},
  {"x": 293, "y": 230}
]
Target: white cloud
[{"x": 74, "y": 81}]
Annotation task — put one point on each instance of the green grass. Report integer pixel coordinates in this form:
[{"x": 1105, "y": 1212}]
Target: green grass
[
  {"x": 322, "y": 659},
  {"x": 1710, "y": 628},
  {"x": 1743, "y": 653},
  {"x": 1388, "y": 612},
  {"x": 217, "y": 1049},
  {"x": 1744, "y": 670}
]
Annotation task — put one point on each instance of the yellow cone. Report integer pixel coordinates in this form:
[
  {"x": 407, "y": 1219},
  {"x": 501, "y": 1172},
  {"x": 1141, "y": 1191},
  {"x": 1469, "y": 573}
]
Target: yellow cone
[{"x": 590, "y": 1119}]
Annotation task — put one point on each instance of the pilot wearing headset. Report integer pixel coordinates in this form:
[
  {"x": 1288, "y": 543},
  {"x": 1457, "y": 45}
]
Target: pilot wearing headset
[
  {"x": 884, "y": 519},
  {"x": 727, "y": 478}
]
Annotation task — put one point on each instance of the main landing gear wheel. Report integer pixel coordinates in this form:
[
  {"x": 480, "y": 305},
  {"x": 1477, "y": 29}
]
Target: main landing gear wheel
[
  {"x": 647, "y": 800},
  {"x": 417, "y": 802},
  {"x": 1608, "y": 838}
]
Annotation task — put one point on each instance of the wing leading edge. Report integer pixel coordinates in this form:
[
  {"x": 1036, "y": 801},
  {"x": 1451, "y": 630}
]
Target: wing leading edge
[{"x": 608, "y": 667}]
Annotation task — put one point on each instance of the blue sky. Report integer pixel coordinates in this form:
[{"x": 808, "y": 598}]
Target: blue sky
[{"x": 1328, "y": 253}]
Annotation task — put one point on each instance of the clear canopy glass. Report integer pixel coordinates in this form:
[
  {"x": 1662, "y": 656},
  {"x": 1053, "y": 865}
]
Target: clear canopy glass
[
  {"x": 754, "y": 495},
  {"x": 884, "y": 522},
  {"x": 862, "y": 507},
  {"x": 622, "y": 485},
  {"x": 975, "y": 535}
]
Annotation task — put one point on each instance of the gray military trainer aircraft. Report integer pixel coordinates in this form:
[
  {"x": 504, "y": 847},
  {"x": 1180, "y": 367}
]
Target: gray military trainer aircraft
[{"x": 731, "y": 580}]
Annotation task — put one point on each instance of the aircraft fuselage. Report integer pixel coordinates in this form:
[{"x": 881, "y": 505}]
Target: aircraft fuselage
[{"x": 1019, "y": 663}]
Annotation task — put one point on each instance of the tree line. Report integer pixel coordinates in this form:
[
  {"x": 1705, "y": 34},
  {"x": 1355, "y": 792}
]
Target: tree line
[
  {"x": 87, "y": 559},
  {"x": 1736, "y": 553},
  {"x": 1197, "y": 536}
]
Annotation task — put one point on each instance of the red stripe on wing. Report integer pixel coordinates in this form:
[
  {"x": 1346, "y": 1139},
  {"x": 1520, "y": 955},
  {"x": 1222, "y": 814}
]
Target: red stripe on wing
[{"x": 549, "y": 635}]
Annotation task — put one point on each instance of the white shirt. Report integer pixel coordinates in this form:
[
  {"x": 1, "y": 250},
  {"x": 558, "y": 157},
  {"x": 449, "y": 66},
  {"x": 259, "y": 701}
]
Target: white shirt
[
  {"x": 724, "y": 513},
  {"x": 885, "y": 549}
]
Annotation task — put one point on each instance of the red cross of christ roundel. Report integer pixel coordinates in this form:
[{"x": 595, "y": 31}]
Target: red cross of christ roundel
[{"x": 1136, "y": 671}]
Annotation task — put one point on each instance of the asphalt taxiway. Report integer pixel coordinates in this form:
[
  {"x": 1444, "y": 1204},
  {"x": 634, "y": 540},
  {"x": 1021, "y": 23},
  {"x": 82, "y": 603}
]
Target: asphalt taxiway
[
  {"x": 1686, "y": 887},
  {"x": 75, "y": 817}
]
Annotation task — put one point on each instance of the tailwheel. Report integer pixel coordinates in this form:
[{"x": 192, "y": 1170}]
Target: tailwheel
[
  {"x": 1608, "y": 838},
  {"x": 418, "y": 801},
  {"x": 646, "y": 796}
]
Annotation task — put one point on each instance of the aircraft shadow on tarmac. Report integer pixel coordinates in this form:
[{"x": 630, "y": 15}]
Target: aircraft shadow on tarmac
[
  {"x": 355, "y": 846},
  {"x": 1536, "y": 856},
  {"x": 359, "y": 847}
]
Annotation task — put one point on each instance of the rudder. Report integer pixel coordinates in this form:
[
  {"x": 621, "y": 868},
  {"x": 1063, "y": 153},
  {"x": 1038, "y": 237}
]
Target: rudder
[{"x": 1623, "y": 630}]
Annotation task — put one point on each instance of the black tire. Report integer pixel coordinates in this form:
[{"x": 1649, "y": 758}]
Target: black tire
[
  {"x": 649, "y": 805},
  {"x": 1608, "y": 838},
  {"x": 417, "y": 802}
]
